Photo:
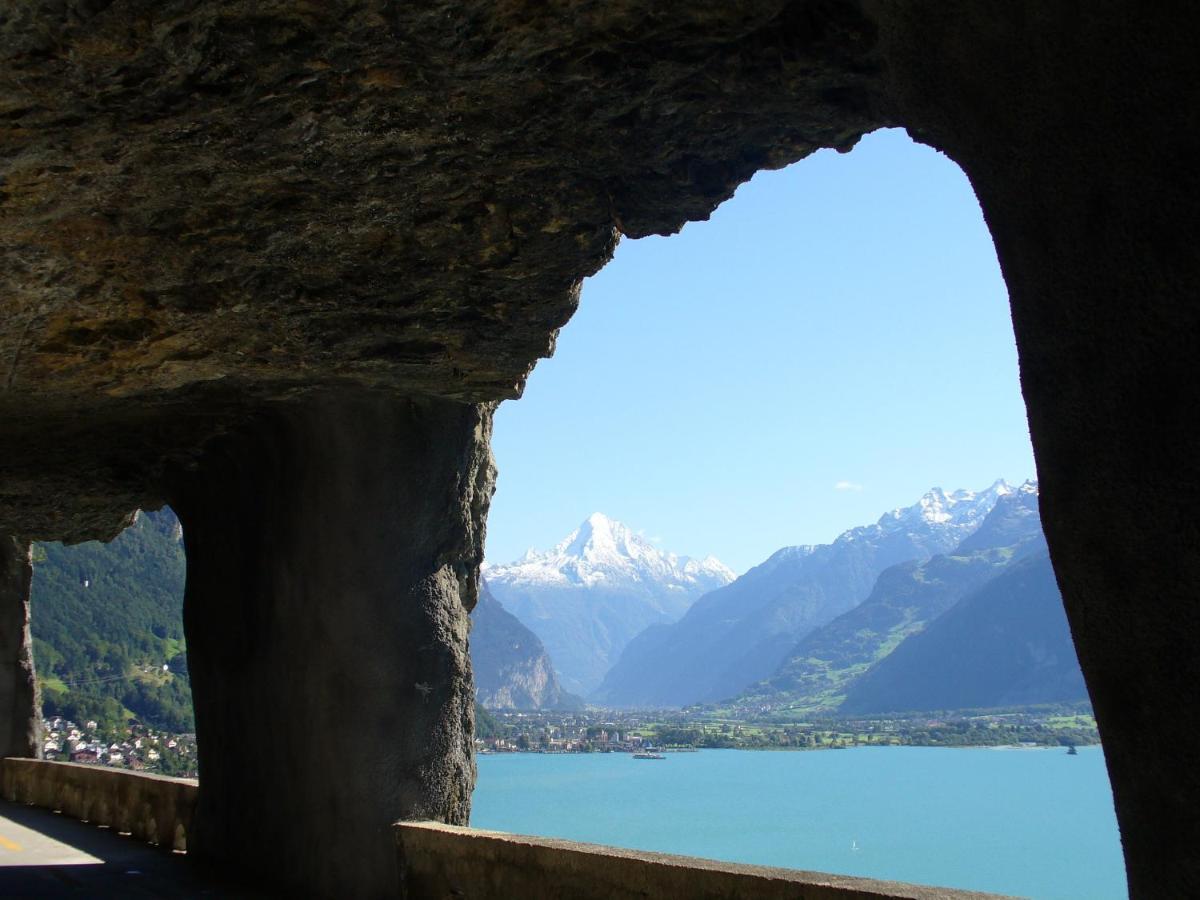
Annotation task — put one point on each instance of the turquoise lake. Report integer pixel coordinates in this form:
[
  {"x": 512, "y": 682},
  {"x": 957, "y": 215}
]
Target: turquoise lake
[{"x": 1034, "y": 823}]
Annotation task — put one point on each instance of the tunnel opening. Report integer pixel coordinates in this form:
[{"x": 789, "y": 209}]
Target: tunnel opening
[
  {"x": 687, "y": 381},
  {"x": 110, "y": 651}
]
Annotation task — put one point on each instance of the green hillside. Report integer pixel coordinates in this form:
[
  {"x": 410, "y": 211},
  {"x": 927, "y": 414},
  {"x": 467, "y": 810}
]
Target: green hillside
[
  {"x": 106, "y": 619},
  {"x": 906, "y": 598},
  {"x": 1008, "y": 644},
  {"x": 824, "y": 668}
]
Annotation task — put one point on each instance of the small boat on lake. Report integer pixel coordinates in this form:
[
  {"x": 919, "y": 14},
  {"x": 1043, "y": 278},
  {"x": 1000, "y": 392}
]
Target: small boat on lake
[{"x": 649, "y": 754}]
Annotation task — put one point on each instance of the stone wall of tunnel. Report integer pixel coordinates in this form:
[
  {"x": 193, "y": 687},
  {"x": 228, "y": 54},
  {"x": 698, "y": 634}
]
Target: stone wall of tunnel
[
  {"x": 1058, "y": 121},
  {"x": 333, "y": 556},
  {"x": 214, "y": 218}
]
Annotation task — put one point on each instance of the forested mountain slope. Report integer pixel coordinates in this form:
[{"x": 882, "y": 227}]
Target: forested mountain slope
[
  {"x": 108, "y": 642},
  {"x": 1007, "y": 644},
  {"x": 106, "y": 620}
]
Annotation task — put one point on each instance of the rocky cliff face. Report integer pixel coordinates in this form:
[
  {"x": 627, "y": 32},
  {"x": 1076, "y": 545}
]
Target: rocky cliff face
[
  {"x": 512, "y": 669},
  {"x": 20, "y": 732}
]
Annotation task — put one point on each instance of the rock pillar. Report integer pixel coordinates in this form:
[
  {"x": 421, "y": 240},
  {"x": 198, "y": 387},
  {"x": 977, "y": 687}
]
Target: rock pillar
[
  {"x": 333, "y": 556},
  {"x": 1083, "y": 156},
  {"x": 20, "y": 708}
]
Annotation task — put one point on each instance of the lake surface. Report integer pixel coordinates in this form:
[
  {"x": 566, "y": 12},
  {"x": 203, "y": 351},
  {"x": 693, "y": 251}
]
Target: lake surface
[{"x": 1035, "y": 823}]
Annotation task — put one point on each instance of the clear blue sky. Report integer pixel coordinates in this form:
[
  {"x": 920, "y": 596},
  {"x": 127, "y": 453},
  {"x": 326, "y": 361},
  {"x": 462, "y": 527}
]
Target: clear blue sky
[{"x": 835, "y": 341}]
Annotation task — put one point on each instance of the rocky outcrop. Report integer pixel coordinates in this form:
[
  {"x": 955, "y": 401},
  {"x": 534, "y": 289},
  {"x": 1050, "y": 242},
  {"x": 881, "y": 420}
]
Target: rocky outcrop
[{"x": 1073, "y": 133}]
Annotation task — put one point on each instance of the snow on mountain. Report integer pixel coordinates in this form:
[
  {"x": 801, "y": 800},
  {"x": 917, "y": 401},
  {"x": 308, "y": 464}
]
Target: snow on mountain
[
  {"x": 739, "y": 634},
  {"x": 947, "y": 518},
  {"x": 597, "y": 588},
  {"x": 604, "y": 552}
]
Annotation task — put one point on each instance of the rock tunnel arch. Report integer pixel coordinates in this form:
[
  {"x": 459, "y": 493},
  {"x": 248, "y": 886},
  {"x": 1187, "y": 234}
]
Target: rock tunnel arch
[
  {"x": 239, "y": 353},
  {"x": 575, "y": 436},
  {"x": 825, "y": 323},
  {"x": 749, "y": 315}
]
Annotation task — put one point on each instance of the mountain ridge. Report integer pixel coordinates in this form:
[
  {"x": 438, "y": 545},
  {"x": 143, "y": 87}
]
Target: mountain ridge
[
  {"x": 904, "y": 600},
  {"x": 599, "y": 546},
  {"x": 738, "y": 634},
  {"x": 1007, "y": 643}
]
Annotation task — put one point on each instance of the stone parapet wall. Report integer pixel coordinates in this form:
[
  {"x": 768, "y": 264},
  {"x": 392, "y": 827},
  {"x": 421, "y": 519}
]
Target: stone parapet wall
[
  {"x": 437, "y": 860},
  {"x": 152, "y": 808}
]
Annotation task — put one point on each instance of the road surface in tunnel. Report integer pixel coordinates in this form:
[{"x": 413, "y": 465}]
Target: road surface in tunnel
[{"x": 44, "y": 854}]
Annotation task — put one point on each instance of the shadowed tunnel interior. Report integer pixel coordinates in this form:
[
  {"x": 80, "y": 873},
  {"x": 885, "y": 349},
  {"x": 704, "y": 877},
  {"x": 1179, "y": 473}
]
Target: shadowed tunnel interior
[{"x": 275, "y": 262}]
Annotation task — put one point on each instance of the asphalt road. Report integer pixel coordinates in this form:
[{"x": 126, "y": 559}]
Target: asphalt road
[{"x": 43, "y": 854}]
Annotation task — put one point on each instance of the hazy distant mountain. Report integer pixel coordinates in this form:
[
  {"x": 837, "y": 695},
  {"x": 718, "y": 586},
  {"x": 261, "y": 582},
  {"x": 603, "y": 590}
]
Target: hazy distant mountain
[
  {"x": 1006, "y": 644},
  {"x": 512, "y": 670},
  {"x": 589, "y": 595},
  {"x": 738, "y": 635},
  {"x": 906, "y": 598}
]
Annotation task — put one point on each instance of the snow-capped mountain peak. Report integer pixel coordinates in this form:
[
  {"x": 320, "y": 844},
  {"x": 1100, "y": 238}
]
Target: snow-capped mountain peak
[
  {"x": 599, "y": 539},
  {"x": 603, "y": 550},
  {"x": 595, "y": 589},
  {"x": 944, "y": 519},
  {"x": 958, "y": 508}
]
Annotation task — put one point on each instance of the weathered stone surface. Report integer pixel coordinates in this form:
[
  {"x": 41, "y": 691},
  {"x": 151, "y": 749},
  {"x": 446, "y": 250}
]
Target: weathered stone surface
[
  {"x": 20, "y": 708},
  {"x": 150, "y": 808},
  {"x": 1079, "y": 133},
  {"x": 444, "y": 861},
  {"x": 333, "y": 556},
  {"x": 208, "y": 205}
]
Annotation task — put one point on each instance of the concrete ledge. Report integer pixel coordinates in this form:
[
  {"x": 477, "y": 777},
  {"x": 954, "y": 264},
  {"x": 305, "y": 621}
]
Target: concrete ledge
[
  {"x": 437, "y": 860},
  {"x": 153, "y": 808}
]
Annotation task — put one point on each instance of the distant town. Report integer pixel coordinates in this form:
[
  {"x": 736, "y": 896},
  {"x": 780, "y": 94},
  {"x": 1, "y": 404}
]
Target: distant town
[
  {"x": 141, "y": 748},
  {"x": 137, "y": 747},
  {"x": 613, "y": 731}
]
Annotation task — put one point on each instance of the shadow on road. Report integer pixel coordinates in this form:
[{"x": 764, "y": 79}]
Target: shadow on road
[{"x": 44, "y": 854}]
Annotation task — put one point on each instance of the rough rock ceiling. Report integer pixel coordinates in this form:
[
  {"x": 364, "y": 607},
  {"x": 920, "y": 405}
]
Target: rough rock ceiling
[{"x": 206, "y": 207}]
